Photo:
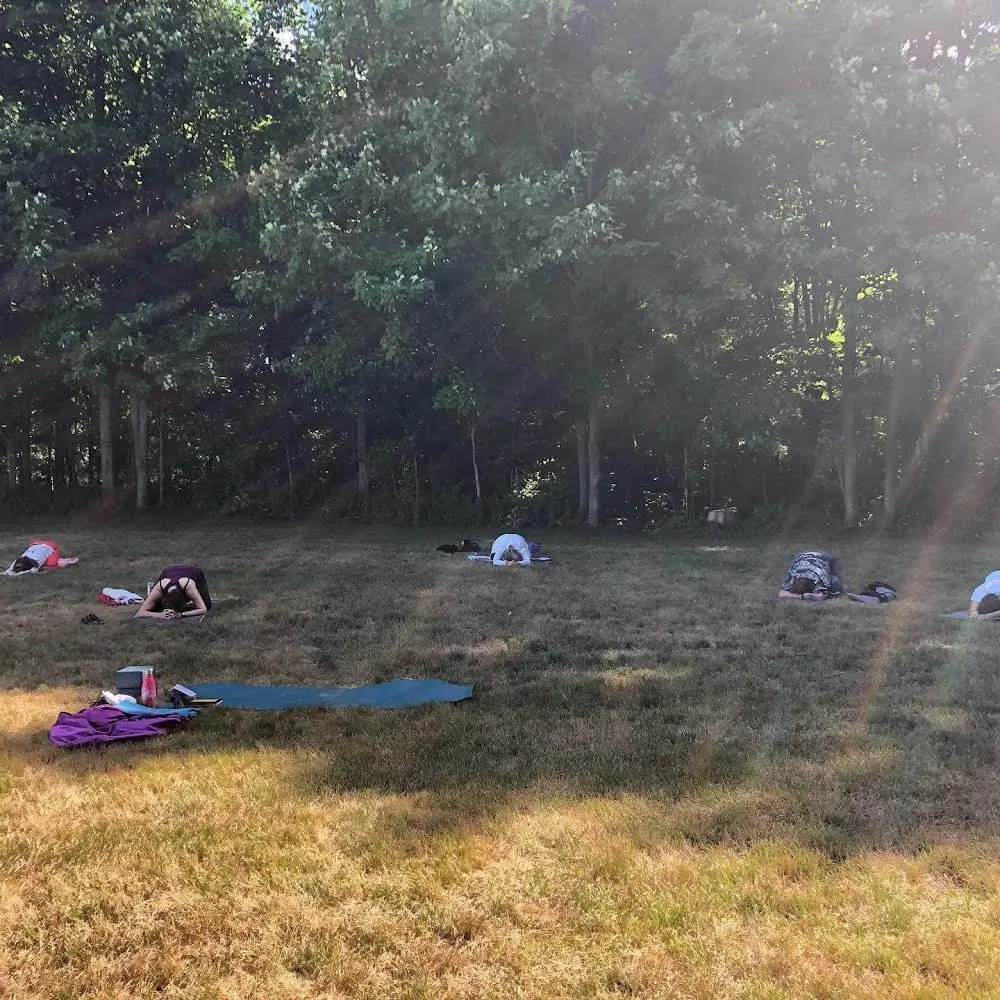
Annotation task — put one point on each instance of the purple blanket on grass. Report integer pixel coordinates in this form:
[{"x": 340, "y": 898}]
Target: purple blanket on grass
[{"x": 106, "y": 724}]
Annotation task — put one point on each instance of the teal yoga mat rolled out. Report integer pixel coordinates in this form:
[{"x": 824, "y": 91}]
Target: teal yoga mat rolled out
[{"x": 402, "y": 693}]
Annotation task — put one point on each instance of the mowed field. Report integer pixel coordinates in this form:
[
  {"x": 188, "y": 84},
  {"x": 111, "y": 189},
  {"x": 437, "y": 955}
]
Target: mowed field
[{"x": 666, "y": 785}]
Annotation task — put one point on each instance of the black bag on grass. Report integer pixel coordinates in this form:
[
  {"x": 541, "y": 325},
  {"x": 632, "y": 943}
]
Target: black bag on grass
[
  {"x": 882, "y": 592},
  {"x": 468, "y": 545}
]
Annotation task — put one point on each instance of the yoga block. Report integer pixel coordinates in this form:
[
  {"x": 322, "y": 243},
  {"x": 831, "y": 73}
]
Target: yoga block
[{"x": 128, "y": 680}]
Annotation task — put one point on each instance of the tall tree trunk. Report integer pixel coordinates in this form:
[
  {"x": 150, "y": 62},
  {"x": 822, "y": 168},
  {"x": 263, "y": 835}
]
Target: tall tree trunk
[
  {"x": 361, "y": 429},
  {"x": 65, "y": 465},
  {"x": 107, "y": 444},
  {"x": 72, "y": 443},
  {"x": 594, "y": 458},
  {"x": 142, "y": 457},
  {"x": 161, "y": 472},
  {"x": 133, "y": 437},
  {"x": 416, "y": 485},
  {"x": 11, "y": 460},
  {"x": 850, "y": 409},
  {"x": 24, "y": 459},
  {"x": 687, "y": 484},
  {"x": 291, "y": 482},
  {"x": 475, "y": 463},
  {"x": 52, "y": 458},
  {"x": 514, "y": 479},
  {"x": 900, "y": 383},
  {"x": 139, "y": 412},
  {"x": 582, "y": 470}
]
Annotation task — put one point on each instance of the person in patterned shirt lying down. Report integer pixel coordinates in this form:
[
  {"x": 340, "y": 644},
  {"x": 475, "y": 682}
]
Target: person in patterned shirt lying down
[{"x": 813, "y": 576}]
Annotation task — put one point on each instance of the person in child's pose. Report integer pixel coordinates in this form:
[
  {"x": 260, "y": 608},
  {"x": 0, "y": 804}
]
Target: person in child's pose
[{"x": 179, "y": 592}]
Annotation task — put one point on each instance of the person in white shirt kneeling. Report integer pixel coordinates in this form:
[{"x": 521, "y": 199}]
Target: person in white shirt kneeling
[
  {"x": 984, "y": 601},
  {"x": 511, "y": 550}
]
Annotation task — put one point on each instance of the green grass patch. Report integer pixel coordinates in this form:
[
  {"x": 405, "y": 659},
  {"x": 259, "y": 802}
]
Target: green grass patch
[{"x": 666, "y": 785}]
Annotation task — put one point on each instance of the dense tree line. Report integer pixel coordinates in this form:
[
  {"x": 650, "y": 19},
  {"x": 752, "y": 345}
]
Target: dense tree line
[{"x": 501, "y": 259}]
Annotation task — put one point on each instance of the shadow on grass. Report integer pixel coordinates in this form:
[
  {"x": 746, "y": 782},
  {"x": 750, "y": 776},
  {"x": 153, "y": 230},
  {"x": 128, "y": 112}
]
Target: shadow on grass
[
  {"x": 737, "y": 719},
  {"x": 910, "y": 776}
]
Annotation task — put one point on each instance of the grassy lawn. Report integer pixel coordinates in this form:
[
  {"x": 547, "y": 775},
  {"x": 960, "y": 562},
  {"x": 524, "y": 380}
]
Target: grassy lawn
[{"x": 665, "y": 785}]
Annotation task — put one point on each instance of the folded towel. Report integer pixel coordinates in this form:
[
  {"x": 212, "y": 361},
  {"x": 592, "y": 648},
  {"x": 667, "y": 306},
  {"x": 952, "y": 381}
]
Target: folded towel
[
  {"x": 116, "y": 596},
  {"x": 127, "y": 704}
]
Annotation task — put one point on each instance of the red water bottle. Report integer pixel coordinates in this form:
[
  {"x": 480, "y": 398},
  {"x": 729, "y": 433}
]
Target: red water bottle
[{"x": 148, "y": 694}]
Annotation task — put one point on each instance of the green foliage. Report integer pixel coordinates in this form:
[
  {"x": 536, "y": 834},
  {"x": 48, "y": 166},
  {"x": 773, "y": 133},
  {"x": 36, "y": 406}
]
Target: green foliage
[{"x": 715, "y": 233}]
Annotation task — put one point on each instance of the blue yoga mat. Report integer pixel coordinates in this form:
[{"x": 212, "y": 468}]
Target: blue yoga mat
[
  {"x": 803, "y": 604},
  {"x": 486, "y": 557},
  {"x": 391, "y": 694}
]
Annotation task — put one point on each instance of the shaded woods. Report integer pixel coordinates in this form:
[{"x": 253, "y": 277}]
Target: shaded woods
[{"x": 511, "y": 259}]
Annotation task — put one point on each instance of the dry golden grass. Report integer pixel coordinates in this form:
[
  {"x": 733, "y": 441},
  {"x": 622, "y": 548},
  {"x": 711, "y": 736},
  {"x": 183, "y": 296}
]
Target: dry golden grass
[{"x": 665, "y": 786}]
